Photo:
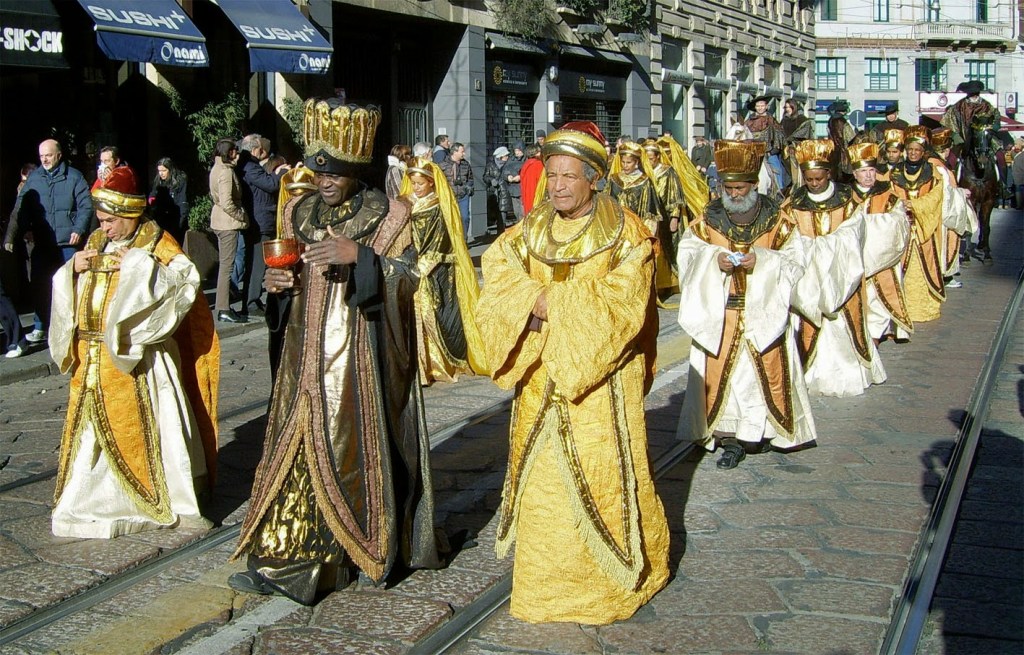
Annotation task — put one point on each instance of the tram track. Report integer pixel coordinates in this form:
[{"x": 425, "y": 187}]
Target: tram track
[
  {"x": 121, "y": 582},
  {"x": 912, "y": 609}
]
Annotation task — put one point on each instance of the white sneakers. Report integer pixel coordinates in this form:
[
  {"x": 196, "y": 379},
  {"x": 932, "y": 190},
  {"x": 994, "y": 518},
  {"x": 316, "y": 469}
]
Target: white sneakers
[
  {"x": 35, "y": 336},
  {"x": 14, "y": 351}
]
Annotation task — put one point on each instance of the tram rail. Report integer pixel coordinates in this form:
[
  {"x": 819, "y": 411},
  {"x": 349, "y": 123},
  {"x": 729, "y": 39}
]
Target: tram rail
[{"x": 911, "y": 612}]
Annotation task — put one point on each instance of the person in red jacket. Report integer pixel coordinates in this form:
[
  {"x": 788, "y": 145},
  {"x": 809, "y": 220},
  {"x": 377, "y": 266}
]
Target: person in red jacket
[{"x": 529, "y": 176}]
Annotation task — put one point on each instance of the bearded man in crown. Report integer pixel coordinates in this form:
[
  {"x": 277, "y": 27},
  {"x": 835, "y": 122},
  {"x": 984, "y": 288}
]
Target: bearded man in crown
[
  {"x": 739, "y": 265},
  {"x": 344, "y": 481}
]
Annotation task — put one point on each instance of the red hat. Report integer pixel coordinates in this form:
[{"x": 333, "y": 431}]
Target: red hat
[
  {"x": 120, "y": 179},
  {"x": 587, "y": 127}
]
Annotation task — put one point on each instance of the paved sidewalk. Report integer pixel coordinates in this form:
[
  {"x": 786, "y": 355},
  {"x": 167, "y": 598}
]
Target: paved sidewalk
[{"x": 799, "y": 553}]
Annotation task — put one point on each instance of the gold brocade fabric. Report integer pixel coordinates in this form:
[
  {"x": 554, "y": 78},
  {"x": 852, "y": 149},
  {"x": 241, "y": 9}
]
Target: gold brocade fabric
[
  {"x": 346, "y": 406},
  {"x": 578, "y": 501},
  {"x": 888, "y": 283},
  {"x": 118, "y": 404},
  {"x": 294, "y": 527},
  {"x": 922, "y": 266},
  {"x": 440, "y": 336}
]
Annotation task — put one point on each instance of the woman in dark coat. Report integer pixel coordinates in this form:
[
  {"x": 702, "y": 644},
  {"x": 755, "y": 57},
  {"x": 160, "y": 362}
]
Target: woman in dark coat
[{"x": 168, "y": 199}]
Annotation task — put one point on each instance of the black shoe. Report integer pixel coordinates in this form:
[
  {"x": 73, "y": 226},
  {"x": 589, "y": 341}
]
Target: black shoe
[
  {"x": 258, "y": 305},
  {"x": 732, "y": 455},
  {"x": 231, "y": 316},
  {"x": 249, "y": 582}
]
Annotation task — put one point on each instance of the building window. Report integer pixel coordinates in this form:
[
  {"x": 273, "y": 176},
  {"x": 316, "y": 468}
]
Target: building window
[
  {"x": 930, "y": 74},
  {"x": 981, "y": 11},
  {"x": 674, "y": 96},
  {"x": 830, "y": 73},
  {"x": 796, "y": 79},
  {"x": 828, "y": 9},
  {"x": 932, "y": 11},
  {"x": 881, "y": 11},
  {"x": 744, "y": 68},
  {"x": 881, "y": 75},
  {"x": 771, "y": 73},
  {"x": 714, "y": 99},
  {"x": 983, "y": 71}
]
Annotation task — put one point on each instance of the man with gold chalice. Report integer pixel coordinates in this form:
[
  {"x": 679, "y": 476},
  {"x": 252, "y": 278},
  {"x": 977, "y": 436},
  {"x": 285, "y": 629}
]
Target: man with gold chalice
[{"x": 344, "y": 484}]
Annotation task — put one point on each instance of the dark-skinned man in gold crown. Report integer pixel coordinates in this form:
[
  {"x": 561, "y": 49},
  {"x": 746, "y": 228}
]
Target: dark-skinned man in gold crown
[
  {"x": 739, "y": 265},
  {"x": 839, "y": 357},
  {"x": 344, "y": 481},
  {"x": 131, "y": 325},
  {"x": 568, "y": 318}
]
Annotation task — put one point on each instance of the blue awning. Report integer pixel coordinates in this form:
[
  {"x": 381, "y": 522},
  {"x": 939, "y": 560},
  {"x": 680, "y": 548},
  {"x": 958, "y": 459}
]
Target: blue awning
[
  {"x": 278, "y": 36},
  {"x": 157, "y": 31}
]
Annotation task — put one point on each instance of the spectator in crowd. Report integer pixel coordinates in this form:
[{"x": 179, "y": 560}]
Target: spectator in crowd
[
  {"x": 398, "y": 161},
  {"x": 460, "y": 177},
  {"x": 541, "y": 136},
  {"x": 168, "y": 199},
  {"x": 420, "y": 149},
  {"x": 13, "y": 280},
  {"x": 227, "y": 220},
  {"x": 700, "y": 154},
  {"x": 568, "y": 320},
  {"x": 529, "y": 176},
  {"x": 131, "y": 326},
  {"x": 54, "y": 210},
  {"x": 442, "y": 148},
  {"x": 498, "y": 190},
  {"x": 345, "y": 434},
  {"x": 513, "y": 181},
  {"x": 113, "y": 171},
  {"x": 1017, "y": 171},
  {"x": 259, "y": 189}
]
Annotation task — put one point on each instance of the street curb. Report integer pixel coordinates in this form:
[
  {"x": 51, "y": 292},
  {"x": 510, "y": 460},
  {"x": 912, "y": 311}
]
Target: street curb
[{"x": 38, "y": 364}]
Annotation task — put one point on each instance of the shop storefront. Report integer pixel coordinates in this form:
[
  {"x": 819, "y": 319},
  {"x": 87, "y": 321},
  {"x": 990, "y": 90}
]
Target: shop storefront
[
  {"x": 593, "y": 97},
  {"x": 511, "y": 95}
]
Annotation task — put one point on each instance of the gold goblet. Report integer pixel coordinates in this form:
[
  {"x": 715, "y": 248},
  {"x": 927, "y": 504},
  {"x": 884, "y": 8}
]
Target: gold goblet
[{"x": 283, "y": 253}]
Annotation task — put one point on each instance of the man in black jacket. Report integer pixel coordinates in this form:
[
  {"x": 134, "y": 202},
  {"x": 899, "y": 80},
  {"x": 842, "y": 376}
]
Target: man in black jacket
[
  {"x": 259, "y": 199},
  {"x": 460, "y": 176}
]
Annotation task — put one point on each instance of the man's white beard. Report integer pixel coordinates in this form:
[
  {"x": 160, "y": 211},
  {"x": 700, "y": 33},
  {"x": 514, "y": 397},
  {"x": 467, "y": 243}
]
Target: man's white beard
[{"x": 740, "y": 205}]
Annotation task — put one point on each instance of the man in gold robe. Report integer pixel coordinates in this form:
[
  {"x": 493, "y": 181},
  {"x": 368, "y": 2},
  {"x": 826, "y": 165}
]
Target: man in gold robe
[
  {"x": 933, "y": 205},
  {"x": 345, "y": 478},
  {"x": 568, "y": 319},
  {"x": 885, "y": 300},
  {"x": 131, "y": 324},
  {"x": 740, "y": 264},
  {"x": 839, "y": 357}
]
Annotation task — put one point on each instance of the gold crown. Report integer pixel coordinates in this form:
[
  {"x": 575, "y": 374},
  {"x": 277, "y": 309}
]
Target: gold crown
[
  {"x": 653, "y": 144},
  {"x": 344, "y": 132},
  {"x": 894, "y": 137},
  {"x": 941, "y": 138},
  {"x": 863, "y": 155},
  {"x": 119, "y": 204},
  {"x": 631, "y": 148},
  {"x": 918, "y": 133},
  {"x": 421, "y": 165},
  {"x": 814, "y": 153},
  {"x": 739, "y": 161}
]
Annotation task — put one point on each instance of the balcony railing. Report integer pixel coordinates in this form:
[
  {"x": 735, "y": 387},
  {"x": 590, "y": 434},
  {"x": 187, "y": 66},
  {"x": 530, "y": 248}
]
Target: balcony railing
[{"x": 949, "y": 31}]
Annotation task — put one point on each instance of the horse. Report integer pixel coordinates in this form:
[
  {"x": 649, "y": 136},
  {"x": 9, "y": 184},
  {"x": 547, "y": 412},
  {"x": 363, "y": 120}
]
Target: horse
[{"x": 978, "y": 175}]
